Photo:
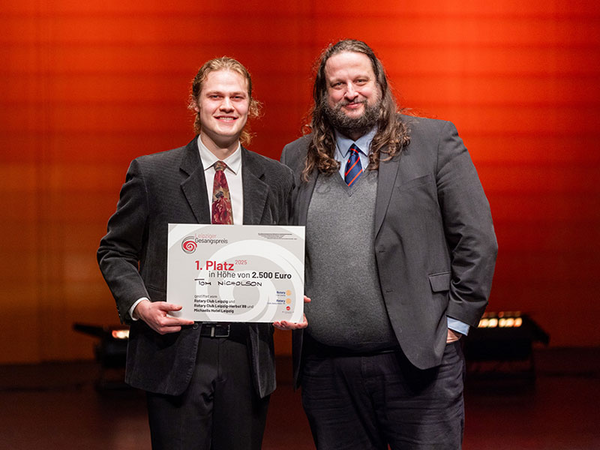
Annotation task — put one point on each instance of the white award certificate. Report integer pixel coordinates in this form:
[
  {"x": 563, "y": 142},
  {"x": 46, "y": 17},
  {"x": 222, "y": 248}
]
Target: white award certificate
[{"x": 236, "y": 273}]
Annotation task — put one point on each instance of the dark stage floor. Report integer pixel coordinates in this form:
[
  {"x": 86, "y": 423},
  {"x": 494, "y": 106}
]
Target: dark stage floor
[{"x": 56, "y": 406}]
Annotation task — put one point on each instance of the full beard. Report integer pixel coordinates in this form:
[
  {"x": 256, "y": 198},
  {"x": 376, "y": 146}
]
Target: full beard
[{"x": 352, "y": 125}]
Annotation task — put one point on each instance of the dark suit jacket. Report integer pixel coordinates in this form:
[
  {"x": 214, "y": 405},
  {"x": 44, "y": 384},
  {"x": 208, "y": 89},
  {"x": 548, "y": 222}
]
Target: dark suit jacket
[
  {"x": 170, "y": 187},
  {"x": 435, "y": 245}
]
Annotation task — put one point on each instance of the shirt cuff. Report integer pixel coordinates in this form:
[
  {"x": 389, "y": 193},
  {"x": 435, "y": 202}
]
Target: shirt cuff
[
  {"x": 458, "y": 326},
  {"x": 133, "y": 308}
]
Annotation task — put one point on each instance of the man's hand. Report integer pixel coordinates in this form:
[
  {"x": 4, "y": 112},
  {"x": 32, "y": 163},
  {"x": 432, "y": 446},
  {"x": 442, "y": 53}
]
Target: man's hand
[
  {"x": 285, "y": 325},
  {"x": 453, "y": 336},
  {"x": 155, "y": 315}
]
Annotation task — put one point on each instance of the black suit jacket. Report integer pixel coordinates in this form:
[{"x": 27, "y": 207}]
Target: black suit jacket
[
  {"x": 170, "y": 187},
  {"x": 435, "y": 245}
]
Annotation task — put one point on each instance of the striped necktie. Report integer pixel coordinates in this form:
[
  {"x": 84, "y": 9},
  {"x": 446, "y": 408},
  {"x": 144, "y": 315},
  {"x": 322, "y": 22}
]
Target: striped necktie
[{"x": 353, "y": 167}]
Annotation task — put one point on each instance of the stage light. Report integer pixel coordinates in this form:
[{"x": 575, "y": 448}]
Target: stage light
[
  {"x": 510, "y": 319},
  {"x": 120, "y": 334},
  {"x": 503, "y": 343}
]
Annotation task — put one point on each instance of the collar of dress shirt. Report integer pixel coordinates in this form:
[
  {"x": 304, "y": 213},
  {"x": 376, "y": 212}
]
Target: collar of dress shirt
[
  {"x": 363, "y": 143},
  {"x": 233, "y": 161}
]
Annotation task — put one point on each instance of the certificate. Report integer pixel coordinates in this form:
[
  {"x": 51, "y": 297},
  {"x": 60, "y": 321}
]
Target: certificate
[{"x": 236, "y": 273}]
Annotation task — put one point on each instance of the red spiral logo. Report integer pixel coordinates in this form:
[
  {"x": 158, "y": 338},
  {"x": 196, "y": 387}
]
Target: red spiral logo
[{"x": 189, "y": 244}]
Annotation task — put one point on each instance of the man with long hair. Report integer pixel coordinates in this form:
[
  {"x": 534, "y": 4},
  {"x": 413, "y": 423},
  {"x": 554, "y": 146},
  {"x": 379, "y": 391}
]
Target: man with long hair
[
  {"x": 208, "y": 385},
  {"x": 400, "y": 257}
]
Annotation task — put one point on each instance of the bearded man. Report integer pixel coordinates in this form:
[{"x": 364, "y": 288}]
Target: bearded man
[{"x": 399, "y": 263}]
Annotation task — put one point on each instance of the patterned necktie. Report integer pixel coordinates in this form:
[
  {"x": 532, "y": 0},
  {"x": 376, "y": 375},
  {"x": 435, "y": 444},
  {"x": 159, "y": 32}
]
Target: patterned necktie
[
  {"x": 353, "y": 167},
  {"x": 221, "y": 202}
]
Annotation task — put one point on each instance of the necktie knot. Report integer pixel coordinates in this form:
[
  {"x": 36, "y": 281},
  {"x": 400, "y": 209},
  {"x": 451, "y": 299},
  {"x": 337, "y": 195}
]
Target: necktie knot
[
  {"x": 220, "y": 165},
  {"x": 353, "y": 169}
]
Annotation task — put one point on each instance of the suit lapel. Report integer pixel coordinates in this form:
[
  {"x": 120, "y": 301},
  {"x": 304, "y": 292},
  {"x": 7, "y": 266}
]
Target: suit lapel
[
  {"x": 194, "y": 187},
  {"x": 255, "y": 190},
  {"x": 388, "y": 171}
]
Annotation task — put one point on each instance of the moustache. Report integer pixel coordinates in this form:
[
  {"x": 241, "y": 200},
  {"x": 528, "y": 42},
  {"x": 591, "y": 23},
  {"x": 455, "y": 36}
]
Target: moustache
[{"x": 351, "y": 102}]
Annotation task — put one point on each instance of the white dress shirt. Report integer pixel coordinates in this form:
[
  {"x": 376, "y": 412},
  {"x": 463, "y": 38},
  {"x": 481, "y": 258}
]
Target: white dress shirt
[{"x": 233, "y": 173}]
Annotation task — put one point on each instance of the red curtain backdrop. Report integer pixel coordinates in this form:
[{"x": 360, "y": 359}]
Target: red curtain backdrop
[{"x": 88, "y": 87}]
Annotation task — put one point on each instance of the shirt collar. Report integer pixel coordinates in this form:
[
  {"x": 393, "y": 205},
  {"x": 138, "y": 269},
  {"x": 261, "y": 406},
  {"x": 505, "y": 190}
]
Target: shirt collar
[
  {"x": 208, "y": 158},
  {"x": 363, "y": 143}
]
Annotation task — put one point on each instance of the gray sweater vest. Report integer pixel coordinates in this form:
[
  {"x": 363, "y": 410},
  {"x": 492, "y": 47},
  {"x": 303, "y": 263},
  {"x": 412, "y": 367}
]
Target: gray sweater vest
[{"x": 347, "y": 308}]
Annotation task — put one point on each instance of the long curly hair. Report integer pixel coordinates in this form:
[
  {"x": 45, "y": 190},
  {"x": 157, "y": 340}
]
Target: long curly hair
[
  {"x": 392, "y": 134},
  {"x": 214, "y": 65}
]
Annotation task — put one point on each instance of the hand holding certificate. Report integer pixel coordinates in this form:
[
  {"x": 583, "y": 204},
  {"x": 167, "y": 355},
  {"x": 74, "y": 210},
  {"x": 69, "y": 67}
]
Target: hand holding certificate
[{"x": 236, "y": 273}]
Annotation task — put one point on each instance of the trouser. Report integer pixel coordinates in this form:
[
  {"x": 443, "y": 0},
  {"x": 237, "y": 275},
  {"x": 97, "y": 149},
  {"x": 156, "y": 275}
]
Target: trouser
[
  {"x": 366, "y": 402},
  {"x": 220, "y": 410}
]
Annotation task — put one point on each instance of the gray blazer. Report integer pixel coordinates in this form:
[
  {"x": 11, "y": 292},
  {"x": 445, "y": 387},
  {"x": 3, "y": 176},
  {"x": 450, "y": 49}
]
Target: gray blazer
[
  {"x": 170, "y": 187},
  {"x": 435, "y": 245}
]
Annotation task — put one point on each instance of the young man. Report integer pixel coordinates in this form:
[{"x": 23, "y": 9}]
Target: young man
[
  {"x": 208, "y": 385},
  {"x": 400, "y": 257}
]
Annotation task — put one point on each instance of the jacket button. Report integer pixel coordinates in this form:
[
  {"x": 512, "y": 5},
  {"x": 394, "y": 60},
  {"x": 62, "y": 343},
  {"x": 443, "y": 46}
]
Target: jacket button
[{"x": 195, "y": 326}]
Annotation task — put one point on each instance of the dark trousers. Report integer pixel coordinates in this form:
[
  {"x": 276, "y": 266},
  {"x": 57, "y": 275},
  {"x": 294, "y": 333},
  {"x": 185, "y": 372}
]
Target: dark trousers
[
  {"x": 369, "y": 401},
  {"x": 220, "y": 410}
]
